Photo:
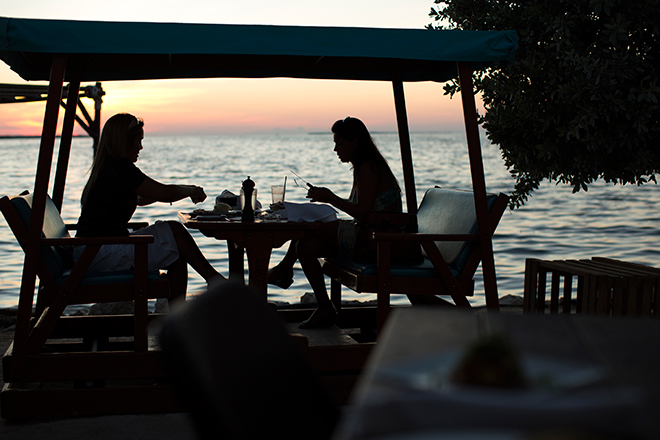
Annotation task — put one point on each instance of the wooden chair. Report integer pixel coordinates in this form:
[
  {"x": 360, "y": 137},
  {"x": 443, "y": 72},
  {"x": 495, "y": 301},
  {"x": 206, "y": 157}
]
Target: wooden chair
[
  {"x": 448, "y": 236},
  {"x": 48, "y": 351}
]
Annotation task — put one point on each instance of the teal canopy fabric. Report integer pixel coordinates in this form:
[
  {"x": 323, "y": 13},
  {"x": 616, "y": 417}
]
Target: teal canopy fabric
[{"x": 104, "y": 51}]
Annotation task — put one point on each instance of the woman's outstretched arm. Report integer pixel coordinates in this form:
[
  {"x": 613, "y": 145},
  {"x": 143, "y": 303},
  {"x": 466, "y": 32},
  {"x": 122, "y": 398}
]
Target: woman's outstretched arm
[{"x": 151, "y": 191}]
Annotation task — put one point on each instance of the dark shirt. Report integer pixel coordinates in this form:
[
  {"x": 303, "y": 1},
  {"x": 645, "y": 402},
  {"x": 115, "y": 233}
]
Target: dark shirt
[{"x": 111, "y": 201}]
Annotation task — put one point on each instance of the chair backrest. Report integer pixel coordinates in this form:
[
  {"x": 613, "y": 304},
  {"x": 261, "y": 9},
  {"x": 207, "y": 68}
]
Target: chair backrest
[
  {"x": 449, "y": 211},
  {"x": 57, "y": 259}
]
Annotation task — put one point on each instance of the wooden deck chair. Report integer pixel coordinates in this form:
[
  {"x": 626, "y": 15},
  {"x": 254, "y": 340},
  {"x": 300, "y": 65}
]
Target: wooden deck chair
[
  {"x": 448, "y": 236},
  {"x": 62, "y": 283},
  {"x": 49, "y": 351},
  {"x": 240, "y": 374}
]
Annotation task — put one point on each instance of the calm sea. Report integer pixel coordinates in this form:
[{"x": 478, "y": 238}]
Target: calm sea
[{"x": 610, "y": 221}]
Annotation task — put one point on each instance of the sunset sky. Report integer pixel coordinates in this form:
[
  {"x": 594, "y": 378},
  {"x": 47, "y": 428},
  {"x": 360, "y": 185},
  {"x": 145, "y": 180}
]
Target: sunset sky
[{"x": 214, "y": 106}]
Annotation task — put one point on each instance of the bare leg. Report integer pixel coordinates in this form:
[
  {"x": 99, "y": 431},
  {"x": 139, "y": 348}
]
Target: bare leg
[
  {"x": 290, "y": 257},
  {"x": 190, "y": 253},
  {"x": 309, "y": 249},
  {"x": 281, "y": 274}
]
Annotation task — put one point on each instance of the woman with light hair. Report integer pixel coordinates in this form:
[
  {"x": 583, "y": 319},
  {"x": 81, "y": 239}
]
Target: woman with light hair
[{"x": 114, "y": 190}]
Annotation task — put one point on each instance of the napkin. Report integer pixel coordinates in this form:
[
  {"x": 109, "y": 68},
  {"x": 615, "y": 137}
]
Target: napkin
[
  {"x": 310, "y": 212},
  {"x": 228, "y": 197},
  {"x": 226, "y": 194}
]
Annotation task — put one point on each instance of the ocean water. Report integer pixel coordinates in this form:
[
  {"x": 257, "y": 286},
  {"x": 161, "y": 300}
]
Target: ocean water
[{"x": 609, "y": 220}]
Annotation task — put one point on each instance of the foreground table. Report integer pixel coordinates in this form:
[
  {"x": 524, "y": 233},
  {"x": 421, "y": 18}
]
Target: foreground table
[
  {"x": 257, "y": 239},
  {"x": 618, "y": 392}
]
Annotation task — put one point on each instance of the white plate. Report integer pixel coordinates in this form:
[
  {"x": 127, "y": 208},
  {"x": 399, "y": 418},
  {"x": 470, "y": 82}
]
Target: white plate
[
  {"x": 210, "y": 217},
  {"x": 433, "y": 372},
  {"x": 421, "y": 397}
]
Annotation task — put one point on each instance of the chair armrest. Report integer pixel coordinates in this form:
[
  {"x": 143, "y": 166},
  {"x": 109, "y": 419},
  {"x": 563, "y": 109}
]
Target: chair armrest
[
  {"x": 134, "y": 226},
  {"x": 87, "y": 241},
  {"x": 397, "y": 236},
  {"x": 391, "y": 218},
  {"x": 131, "y": 225}
]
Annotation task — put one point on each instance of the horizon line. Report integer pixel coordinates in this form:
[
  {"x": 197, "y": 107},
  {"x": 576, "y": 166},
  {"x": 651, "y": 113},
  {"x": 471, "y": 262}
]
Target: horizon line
[{"x": 313, "y": 133}]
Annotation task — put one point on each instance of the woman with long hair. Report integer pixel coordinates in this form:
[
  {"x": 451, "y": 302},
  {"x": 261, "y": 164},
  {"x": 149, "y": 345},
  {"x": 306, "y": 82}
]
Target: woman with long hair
[
  {"x": 114, "y": 190},
  {"x": 374, "y": 189}
]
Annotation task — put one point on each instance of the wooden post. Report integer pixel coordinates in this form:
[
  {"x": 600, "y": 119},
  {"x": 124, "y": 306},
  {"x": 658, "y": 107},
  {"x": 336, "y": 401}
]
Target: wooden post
[
  {"x": 97, "y": 115},
  {"x": 478, "y": 185},
  {"x": 404, "y": 141},
  {"x": 35, "y": 227},
  {"x": 65, "y": 141}
]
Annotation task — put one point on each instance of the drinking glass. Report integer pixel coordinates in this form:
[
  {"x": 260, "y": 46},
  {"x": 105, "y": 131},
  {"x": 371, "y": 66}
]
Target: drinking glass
[{"x": 277, "y": 191}]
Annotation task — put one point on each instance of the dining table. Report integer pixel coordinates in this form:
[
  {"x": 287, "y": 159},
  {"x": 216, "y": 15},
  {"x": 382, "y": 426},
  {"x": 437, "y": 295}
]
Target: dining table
[
  {"x": 582, "y": 376},
  {"x": 256, "y": 239}
]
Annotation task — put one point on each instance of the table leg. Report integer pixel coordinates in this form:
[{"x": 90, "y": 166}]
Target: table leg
[
  {"x": 258, "y": 250},
  {"x": 236, "y": 266}
]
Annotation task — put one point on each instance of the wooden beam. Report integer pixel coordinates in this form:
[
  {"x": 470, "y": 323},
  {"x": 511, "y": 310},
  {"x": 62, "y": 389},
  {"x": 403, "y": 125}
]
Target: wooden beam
[
  {"x": 35, "y": 227},
  {"x": 17, "y": 93},
  {"x": 10, "y": 93},
  {"x": 65, "y": 141},
  {"x": 404, "y": 142},
  {"x": 478, "y": 185},
  {"x": 97, "y": 95}
]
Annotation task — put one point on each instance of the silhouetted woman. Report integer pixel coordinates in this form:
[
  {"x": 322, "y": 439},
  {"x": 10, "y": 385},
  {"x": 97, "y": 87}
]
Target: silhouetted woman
[
  {"x": 374, "y": 189},
  {"x": 114, "y": 190}
]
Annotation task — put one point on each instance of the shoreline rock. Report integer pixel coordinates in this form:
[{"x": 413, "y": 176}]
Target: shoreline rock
[{"x": 7, "y": 317}]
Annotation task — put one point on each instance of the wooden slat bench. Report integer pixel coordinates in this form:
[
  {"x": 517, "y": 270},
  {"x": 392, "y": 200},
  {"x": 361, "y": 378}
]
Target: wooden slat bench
[{"x": 600, "y": 286}]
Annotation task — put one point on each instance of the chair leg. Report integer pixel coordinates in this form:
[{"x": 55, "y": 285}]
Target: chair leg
[
  {"x": 461, "y": 301},
  {"x": 140, "y": 312},
  {"x": 382, "y": 308},
  {"x": 383, "y": 293},
  {"x": 43, "y": 299},
  {"x": 140, "y": 299},
  {"x": 335, "y": 294}
]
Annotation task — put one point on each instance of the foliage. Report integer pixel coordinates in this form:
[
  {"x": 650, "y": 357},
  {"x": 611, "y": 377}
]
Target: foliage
[{"x": 581, "y": 100}]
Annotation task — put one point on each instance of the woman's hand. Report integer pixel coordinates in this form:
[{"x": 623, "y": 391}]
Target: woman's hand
[
  {"x": 197, "y": 194},
  {"x": 320, "y": 194}
]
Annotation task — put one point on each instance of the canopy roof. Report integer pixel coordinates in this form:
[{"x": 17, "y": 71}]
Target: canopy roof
[{"x": 106, "y": 51}]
